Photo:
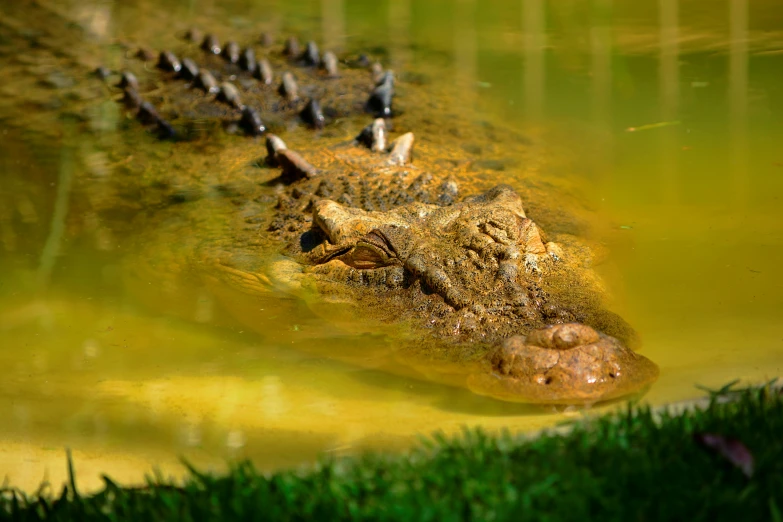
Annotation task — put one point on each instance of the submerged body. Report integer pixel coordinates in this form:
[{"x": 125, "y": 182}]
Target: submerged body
[{"x": 487, "y": 296}]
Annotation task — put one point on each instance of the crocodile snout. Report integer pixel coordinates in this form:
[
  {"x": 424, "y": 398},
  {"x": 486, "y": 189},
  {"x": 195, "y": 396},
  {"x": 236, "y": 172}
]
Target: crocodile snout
[{"x": 563, "y": 364}]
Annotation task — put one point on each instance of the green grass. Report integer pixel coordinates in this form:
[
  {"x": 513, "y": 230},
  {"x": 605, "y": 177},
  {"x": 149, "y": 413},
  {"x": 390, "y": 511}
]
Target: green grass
[{"x": 634, "y": 465}]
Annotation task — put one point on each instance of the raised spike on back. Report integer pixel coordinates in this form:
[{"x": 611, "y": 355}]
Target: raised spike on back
[
  {"x": 380, "y": 100},
  {"x": 288, "y": 87},
  {"x": 313, "y": 115},
  {"x": 211, "y": 44}
]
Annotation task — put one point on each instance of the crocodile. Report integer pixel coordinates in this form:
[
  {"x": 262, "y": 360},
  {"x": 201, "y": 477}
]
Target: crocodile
[
  {"x": 491, "y": 302},
  {"x": 484, "y": 296}
]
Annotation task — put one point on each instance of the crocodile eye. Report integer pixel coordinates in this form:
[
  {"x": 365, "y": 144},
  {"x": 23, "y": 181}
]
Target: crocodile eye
[
  {"x": 365, "y": 256},
  {"x": 371, "y": 251}
]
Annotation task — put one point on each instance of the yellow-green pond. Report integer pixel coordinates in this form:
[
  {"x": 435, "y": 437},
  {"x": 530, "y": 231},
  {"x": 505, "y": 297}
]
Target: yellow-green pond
[{"x": 669, "y": 118}]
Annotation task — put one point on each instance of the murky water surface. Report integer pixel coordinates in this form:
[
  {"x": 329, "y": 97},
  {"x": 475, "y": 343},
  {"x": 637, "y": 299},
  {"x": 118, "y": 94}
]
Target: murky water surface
[{"x": 669, "y": 116}]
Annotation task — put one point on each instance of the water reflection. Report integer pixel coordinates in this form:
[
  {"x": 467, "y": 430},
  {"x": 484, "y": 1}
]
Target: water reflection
[
  {"x": 669, "y": 87},
  {"x": 465, "y": 51},
  {"x": 333, "y": 25},
  {"x": 399, "y": 24},
  {"x": 601, "y": 65},
  {"x": 738, "y": 99},
  {"x": 601, "y": 55},
  {"x": 534, "y": 33},
  {"x": 53, "y": 245}
]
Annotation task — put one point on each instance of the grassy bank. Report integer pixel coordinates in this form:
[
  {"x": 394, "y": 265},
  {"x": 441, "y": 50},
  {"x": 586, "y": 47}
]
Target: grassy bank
[{"x": 723, "y": 462}]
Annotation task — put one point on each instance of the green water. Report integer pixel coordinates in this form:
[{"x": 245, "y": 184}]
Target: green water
[{"x": 670, "y": 118}]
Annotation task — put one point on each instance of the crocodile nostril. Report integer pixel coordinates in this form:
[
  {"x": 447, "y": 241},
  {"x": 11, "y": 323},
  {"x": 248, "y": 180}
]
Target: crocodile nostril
[{"x": 543, "y": 379}]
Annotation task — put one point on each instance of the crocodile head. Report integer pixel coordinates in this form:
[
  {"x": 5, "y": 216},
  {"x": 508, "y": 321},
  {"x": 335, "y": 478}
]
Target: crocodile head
[{"x": 472, "y": 254}]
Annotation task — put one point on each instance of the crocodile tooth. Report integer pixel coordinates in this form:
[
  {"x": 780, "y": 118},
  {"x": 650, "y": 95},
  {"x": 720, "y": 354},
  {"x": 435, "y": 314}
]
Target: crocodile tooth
[
  {"x": 251, "y": 122},
  {"x": 313, "y": 115},
  {"x": 264, "y": 71},
  {"x": 273, "y": 146},
  {"x": 291, "y": 48},
  {"x": 310, "y": 54},
  {"x": 229, "y": 94},
  {"x": 401, "y": 149},
  {"x": 288, "y": 87},
  {"x": 380, "y": 100},
  {"x": 329, "y": 63},
  {"x": 128, "y": 81},
  {"x": 247, "y": 60},
  {"x": 373, "y": 136},
  {"x": 189, "y": 70},
  {"x": 211, "y": 44},
  {"x": 168, "y": 62},
  {"x": 206, "y": 82},
  {"x": 231, "y": 52}
]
